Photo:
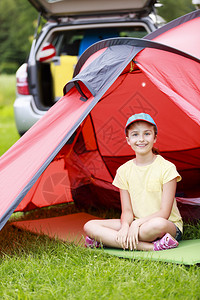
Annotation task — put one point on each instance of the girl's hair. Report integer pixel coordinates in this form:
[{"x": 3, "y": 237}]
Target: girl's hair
[{"x": 154, "y": 150}]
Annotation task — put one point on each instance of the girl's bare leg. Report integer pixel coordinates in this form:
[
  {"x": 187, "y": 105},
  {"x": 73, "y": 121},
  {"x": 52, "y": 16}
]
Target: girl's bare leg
[
  {"x": 153, "y": 230},
  {"x": 104, "y": 231}
]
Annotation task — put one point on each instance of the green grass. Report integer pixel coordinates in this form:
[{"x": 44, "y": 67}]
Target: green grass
[
  {"x": 7, "y": 89},
  {"x": 37, "y": 267},
  {"x": 8, "y": 131}
]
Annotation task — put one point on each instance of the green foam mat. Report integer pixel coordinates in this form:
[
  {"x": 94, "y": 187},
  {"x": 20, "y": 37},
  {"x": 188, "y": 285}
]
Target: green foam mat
[
  {"x": 187, "y": 253},
  {"x": 70, "y": 228}
]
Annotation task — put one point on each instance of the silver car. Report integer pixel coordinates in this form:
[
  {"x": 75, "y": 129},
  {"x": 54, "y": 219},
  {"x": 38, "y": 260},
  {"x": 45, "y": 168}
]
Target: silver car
[{"x": 72, "y": 26}]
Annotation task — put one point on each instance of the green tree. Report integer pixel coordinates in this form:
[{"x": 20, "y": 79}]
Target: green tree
[
  {"x": 16, "y": 27},
  {"x": 173, "y": 9}
]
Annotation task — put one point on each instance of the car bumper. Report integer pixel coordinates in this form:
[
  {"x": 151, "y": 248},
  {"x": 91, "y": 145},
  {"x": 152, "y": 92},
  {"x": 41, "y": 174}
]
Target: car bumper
[{"x": 26, "y": 114}]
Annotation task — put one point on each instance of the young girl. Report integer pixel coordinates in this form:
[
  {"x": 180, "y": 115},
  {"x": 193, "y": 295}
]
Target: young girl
[{"x": 150, "y": 219}]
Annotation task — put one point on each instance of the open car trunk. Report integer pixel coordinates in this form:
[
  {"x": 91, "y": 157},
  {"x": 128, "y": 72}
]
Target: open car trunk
[
  {"x": 58, "y": 55},
  {"x": 56, "y": 9},
  {"x": 77, "y": 25}
]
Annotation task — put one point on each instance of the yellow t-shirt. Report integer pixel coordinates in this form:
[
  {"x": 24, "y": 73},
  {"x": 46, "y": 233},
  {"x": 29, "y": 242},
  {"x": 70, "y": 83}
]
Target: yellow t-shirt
[{"x": 145, "y": 185}]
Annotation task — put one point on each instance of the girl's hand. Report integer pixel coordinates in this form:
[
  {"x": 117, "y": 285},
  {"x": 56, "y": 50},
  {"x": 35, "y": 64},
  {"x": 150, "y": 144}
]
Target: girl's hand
[
  {"x": 121, "y": 237},
  {"x": 133, "y": 235}
]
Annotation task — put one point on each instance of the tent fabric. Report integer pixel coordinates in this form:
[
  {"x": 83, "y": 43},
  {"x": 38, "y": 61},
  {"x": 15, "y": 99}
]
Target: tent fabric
[
  {"x": 26, "y": 160},
  {"x": 84, "y": 131},
  {"x": 119, "y": 52},
  {"x": 142, "y": 43},
  {"x": 185, "y": 28},
  {"x": 53, "y": 187},
  {"x": 168, "y": 82},
  {"x": 106, "y": 66}
]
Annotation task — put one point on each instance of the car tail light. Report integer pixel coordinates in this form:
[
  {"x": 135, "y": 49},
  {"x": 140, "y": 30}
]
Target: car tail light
[{"x": 22, "y": 81}]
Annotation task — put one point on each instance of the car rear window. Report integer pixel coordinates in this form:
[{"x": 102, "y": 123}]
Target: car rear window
[{"x": 75, "y": 42}]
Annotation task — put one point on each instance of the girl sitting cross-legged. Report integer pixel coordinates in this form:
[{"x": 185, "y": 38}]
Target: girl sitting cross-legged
[{"x": 150, "y": 219}]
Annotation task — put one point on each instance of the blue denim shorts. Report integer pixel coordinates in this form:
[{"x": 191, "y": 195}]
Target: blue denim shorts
[{"x": 178, "y": 236}]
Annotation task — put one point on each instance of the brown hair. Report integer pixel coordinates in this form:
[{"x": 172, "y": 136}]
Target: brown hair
[{"x": 155, "y": 151}]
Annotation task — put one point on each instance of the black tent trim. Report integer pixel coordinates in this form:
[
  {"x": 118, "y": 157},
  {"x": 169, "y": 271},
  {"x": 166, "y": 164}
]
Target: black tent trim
[{"x": 134, "y": 42}]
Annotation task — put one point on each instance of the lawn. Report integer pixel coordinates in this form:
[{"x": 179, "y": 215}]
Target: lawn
[
  {"x": 37, "y": 267},
  {"x": 8, "y": 132}
]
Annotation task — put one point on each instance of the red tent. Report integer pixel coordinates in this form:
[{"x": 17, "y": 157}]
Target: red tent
[{"x": 73, "y": 152}]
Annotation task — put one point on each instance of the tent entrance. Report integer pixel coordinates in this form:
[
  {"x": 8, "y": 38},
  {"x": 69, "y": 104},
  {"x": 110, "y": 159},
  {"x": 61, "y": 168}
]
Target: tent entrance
[{"x": 84, "y": 170}]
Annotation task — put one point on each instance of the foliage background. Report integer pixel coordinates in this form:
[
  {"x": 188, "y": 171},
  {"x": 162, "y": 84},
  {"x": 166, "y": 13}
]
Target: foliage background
[{"x": 18, "y": 22}]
